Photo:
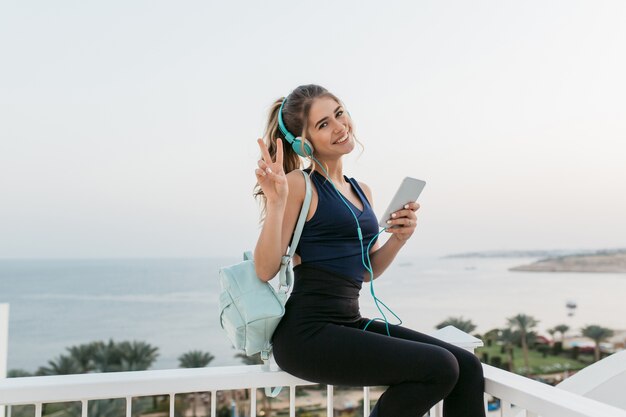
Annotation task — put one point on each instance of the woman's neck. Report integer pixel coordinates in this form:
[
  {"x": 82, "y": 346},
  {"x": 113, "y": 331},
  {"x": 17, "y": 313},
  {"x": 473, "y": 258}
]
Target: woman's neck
[{"x": 334, "y": 171}]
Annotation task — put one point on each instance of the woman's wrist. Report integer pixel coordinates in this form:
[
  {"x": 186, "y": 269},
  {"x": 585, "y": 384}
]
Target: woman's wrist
[
  {"x": 396, "y": 241},
  {"x": 278, "y": 206}
]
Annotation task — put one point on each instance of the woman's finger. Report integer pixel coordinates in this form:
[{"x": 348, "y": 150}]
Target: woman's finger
[
  {"x": 408, "y": 222},
  {"x": 279, "y": 152},
  {"x": 259, "y": 172},
  {"x": 264, "y": 152},
  {"x": 412, "y": 206},
  {"x": 261, "y": 163},
  {"x": 277, "y": 178},
  {"x": 403, "y": 222},
  {"x": 403, "y": 213}
]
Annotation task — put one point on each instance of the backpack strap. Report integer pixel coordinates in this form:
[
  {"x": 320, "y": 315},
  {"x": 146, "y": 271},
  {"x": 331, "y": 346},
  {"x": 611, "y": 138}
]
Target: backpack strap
[
  {"x": 286, "y": 274},
  {"x": 266, "y": 355}
]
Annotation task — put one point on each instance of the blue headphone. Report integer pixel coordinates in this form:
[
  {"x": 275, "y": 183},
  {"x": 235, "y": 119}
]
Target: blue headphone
[
  {"x": 301, "y": 146},
  {"x": 304, "y": 148}
]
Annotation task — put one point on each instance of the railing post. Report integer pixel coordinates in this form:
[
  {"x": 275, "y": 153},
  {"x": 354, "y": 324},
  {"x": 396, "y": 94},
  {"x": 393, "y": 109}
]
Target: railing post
[
  {"x": 84, "y": 408},
  {"x": 253, "y": 405},
  {"x": 330, "y": 403},
  {"x": 4, "y": 344},
  {"x": 505, "y": 408},
  {"x": 173, "y": 402},
  {"x": 292, "y": 401},
  {"x": 129, "y": 406}
]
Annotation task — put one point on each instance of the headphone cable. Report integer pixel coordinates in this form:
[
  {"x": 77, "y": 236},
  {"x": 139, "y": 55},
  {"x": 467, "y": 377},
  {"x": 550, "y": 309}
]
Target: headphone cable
[{"x": 368, "y": 265}]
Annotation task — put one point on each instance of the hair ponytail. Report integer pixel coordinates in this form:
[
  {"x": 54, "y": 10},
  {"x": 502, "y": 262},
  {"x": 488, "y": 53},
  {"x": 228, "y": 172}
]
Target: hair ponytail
[{"x": 291, "y": 160}]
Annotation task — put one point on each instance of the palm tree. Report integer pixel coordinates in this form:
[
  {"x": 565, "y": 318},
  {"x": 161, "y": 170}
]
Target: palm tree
[
  {"x": 508, "y": 338},
  {"x": 83, "y": 355},
  {"x": 195, "y": 359},
  {"x": 491, "y": 336},
  {"x": 18, "y": 373},
  {"x": 250, "y": 360},
  {"x": 136, "y": 356},
  {"x": 63, "y": 365},
  {"x": 464, "y": 325},
  {"x": 106, "y": 356},
  {"x": 562, "y": 328},
  {"x": 524, "y": 325},
  {"x": 102, "y": 357},
  {"x": 598, "y": 334}
]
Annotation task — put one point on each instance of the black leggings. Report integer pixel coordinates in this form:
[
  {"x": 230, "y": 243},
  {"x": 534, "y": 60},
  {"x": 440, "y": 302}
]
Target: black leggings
[{"x": 320, "y": 339}]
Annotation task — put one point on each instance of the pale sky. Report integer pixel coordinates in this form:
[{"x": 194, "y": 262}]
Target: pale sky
[{"x": 128, "y": 129}]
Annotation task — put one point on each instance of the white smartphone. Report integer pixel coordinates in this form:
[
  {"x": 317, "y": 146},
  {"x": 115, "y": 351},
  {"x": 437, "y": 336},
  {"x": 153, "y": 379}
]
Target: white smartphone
[{"x": 409, "y": 190}]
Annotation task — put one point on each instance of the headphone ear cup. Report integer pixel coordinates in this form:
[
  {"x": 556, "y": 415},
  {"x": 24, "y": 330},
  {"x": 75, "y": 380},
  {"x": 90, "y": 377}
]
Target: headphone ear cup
[{"x": 302, "y": 147}]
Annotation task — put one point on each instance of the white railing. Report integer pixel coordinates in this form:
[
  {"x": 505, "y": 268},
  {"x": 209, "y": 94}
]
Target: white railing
[
  {"x": 519, "y": 396},
  {"x": 539, "y": 399},
  {"x": 526, "y": 394}
]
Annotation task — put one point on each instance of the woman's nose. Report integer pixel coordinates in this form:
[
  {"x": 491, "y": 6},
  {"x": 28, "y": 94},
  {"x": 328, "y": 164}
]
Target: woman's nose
[{"x": 339, "y": 127}]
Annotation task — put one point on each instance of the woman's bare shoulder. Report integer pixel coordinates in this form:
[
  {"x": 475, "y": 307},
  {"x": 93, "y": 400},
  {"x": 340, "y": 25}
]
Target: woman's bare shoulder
[
  {"x": 367, "y": 190},
  {"x": 295, "y": 180}
]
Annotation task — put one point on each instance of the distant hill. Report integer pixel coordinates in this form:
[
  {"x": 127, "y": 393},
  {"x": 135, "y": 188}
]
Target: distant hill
[
  {"x": 599, "y": 261},
  {"x": 519, "y": 253}
]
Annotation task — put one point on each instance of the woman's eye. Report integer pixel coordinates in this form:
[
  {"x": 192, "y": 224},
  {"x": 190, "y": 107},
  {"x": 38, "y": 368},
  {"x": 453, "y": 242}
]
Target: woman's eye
[{"x": 339, "y": 114}]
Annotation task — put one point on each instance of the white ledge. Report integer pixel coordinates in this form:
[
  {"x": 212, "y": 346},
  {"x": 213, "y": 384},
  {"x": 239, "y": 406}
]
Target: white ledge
[
  {"x": 57, "y": 388},
  {"x": 543, "y": 399},
  {"x": 458, "y": 338}
]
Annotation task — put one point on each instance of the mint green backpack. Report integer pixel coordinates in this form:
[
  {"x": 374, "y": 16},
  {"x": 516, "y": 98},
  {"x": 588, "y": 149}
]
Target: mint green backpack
[{"x": 251, "y": 309}]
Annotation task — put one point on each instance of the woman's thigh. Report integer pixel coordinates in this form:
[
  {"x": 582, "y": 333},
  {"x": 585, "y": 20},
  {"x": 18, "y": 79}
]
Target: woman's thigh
[
  {"x": 465, "y": 358},
  {"x": 405, "y": 333},
  {"x": 341, "y": 355}
]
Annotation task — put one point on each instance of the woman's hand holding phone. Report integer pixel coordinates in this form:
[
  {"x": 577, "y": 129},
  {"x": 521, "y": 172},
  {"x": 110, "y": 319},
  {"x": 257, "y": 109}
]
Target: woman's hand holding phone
[
  {"x": 405, "y": 222},
  {"x": 271, "y": 176},
  {"x": 399, "y": 218}
]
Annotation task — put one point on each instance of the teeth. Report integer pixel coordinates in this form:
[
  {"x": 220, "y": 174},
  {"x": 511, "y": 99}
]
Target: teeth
[{"x": 345, "y": 138}]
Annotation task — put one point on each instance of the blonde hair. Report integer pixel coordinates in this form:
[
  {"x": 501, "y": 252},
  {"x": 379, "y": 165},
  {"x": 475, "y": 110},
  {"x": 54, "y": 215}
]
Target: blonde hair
[{"x": 295, "y": 118}]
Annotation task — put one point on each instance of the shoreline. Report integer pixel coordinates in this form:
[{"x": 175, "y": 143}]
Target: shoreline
[{"x": 598, "y": 263}]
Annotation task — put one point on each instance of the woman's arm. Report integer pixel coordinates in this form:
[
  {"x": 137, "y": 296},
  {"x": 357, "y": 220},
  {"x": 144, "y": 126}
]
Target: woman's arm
[
  {"x": 278, "y": 226},
  {"x": 382, "y": 256},
  {"x": 284, "y": 194}
]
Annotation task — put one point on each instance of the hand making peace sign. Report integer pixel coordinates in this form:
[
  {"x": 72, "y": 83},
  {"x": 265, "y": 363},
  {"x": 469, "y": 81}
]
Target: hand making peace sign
[{"x": 270, "y": 175}]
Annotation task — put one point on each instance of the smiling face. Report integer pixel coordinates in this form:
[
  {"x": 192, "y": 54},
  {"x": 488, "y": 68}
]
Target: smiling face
[{"x": 329, "y": 128}]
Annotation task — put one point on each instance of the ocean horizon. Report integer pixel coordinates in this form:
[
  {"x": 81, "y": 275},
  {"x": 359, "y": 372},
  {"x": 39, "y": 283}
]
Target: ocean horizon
[{"x": 171, "y": 303}]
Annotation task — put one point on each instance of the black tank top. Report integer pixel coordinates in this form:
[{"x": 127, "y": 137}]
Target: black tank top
[{"x": 330, "y": 239}]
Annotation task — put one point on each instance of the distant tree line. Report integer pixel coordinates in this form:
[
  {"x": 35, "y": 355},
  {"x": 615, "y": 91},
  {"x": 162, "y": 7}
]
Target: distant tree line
[{"x": 520, "y": 331}]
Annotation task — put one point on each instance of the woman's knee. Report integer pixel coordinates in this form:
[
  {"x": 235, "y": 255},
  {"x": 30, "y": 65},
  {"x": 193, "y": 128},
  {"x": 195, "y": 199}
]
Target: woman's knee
[
  {"x": 471, "y": 366},
  {"x": 447, "y": 369}
]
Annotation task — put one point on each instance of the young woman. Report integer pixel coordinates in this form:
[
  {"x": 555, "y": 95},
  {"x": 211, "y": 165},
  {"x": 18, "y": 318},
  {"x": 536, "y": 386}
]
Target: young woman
[{"x": 322, "y": 336}]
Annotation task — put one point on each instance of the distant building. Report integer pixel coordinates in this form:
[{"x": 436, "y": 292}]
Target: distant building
[{"x": 618, "y": 340}]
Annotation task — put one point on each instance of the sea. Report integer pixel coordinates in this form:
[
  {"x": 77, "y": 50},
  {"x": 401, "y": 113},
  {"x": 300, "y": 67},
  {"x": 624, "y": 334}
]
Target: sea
[{"x": 173, "y": 303}]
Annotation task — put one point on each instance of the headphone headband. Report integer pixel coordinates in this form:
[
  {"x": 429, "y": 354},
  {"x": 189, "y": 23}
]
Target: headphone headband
[
  {"x": 281, "y": 125},
  {"x": 302, "y": 147}
]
